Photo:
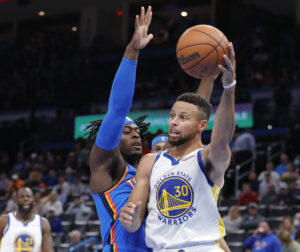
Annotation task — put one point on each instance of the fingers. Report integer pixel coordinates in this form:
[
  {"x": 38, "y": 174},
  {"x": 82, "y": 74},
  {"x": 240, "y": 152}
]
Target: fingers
[
  {"x": 142, "y": 16},
  {"x": 228, "y": 63},
  {"x": 223, "y": 69},
  {"x": 129, "y": 211},
  {"x": 136, "y": 25},
  {"x": 232, "y": 53},
  {"x": 148, "y": 16}
]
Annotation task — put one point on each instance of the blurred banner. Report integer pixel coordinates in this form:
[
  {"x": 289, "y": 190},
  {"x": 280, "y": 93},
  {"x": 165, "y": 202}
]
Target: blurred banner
[{"x": 159, "y": 119}]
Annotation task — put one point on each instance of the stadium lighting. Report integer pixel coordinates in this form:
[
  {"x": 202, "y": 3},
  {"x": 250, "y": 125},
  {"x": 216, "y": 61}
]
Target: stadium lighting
[
  {"x": 42, "y": 13},
  {"x": 184, "y": 13}
]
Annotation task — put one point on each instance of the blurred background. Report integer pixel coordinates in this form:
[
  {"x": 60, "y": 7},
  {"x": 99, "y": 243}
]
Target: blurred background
[{"x": 57, "y": 63}]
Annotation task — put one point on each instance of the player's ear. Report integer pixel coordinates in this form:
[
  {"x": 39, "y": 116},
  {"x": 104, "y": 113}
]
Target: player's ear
[{"x": 202, "y": 126}]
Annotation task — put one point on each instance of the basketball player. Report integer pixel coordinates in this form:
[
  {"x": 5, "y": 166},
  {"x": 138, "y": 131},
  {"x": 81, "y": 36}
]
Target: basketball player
[
  {"x": 118, "y": 148},
  {"x": 181, "y": 185},
  {"x": 158, "y": 143},
  {"x": 23, "y": 230}
]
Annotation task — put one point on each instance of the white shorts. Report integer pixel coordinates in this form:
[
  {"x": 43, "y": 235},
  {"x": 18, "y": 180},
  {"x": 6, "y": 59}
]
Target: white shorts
[{"x": 208, "y": 247}]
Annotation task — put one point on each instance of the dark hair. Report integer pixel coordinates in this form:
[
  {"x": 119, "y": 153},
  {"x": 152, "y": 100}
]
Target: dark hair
[
  {"x": 93, "y": 128},
  {"x": 203, "y": 105}
]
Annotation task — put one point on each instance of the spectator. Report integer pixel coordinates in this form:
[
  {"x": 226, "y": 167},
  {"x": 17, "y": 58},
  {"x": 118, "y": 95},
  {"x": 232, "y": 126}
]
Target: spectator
[
  {"x": 11, "y": 204},
  {"x": 252, "y": 219},
  {"x": 290, "y": 175},
  {"x": 263, "y": 240},
  {"x": 247, "y": 195},
  {"x": 55, "y": 222},
  {"x": 271, "y": 196},
  {"x": 253, "y": 182},
  {"x": 282, "y": 167},
  {"x": 288, "y": 245},
  {"x": 294, "y": 190},
  {"x": 244, "y": 146},
  {"x": 233, "y": 220},
  {"x": 38, "y": 205},
  {"x": 51, "y": 179},
  {"x": 264, "y": 184},
  {"x": 14, "y": 185},
  {"x": 60, "y": 196},
  {"x": 270, "y": 169},
  {"x": 79, "y": 209},
  {"x": 51, "y": 202},
  {"x": 4, "y": 183},
  {"x": 77, "y": 188},
  {"x": 296, "y": 221},
  {"x": 285, "y": 197},
  {"x": 63, "y": 184},
  {"x": 35, "y": 175},
  {"x": 20, "y": 165},
  {"x": 76, "y": 239},
  {"x": 287, "y": 224}
]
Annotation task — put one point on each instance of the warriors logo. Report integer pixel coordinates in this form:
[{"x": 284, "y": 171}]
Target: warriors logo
[
  {"x": 174, "y": 197},
  {"x": 24, "y": 243}
]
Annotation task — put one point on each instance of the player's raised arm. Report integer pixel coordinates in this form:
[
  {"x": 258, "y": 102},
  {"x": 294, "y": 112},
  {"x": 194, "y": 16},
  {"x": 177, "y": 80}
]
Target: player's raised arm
[
  {"x": 132, "y": 214},
  {"x": 219, "y": 151},
  {"x": 105, "y": 155},
  {"x": 206, "y": 86}
]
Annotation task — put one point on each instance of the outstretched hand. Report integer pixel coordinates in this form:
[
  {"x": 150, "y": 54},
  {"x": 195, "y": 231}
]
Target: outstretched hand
[
  {"x": 141, "y": 37},
  {"x": 229, "y": 73}
]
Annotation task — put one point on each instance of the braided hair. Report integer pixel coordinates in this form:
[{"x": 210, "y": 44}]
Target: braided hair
[{"x": 93, "y": 128}]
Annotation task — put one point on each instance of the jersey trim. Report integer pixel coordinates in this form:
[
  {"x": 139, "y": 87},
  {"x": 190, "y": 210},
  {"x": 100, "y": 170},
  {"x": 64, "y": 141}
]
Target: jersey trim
[
  {"x": 25, "y": 224},
  {"x": 174, "y": 161},
  {"x": 7, "y": 227},
  {"x": 114, "y": 247},
  {"x": 111, "y": 208},
  {"x": 157, "y": 157},
  {"x": 203, "y": 169},
  {"x": 41, "y": 224}
]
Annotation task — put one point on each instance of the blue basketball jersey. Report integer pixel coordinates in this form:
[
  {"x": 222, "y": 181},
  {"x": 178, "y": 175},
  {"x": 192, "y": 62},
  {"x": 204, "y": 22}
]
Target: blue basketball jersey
[{"x": 109, "y": 204}]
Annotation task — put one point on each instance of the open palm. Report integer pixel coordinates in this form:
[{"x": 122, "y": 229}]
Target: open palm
[{"x": 141, "y": 37}]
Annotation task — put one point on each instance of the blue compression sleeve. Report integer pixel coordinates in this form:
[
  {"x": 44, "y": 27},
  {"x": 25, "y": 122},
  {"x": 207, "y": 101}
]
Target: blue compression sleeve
[{"x": 119, "y": 104}]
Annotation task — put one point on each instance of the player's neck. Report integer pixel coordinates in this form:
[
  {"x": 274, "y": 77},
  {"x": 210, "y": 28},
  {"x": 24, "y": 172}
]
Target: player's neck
[
  {"x": 186, "y": 148},
  {"x": 24, "y": 216}
]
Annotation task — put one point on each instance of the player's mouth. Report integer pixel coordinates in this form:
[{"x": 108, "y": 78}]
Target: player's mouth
[
  {"x": 137, "y": 145},
  {"x": 174, "y": 133},
  {"x": 26, "y": 206}
]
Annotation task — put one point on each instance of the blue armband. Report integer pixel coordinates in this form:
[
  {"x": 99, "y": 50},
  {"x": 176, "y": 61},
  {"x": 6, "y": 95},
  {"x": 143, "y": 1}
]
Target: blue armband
[{"x": 119, "y": 104}]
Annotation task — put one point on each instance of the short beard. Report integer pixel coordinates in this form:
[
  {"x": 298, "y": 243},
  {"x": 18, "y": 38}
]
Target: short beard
[
  {"x": 134, "y": 158},
  {"x": 179, "y": 141},
  {"x": 23, "y": 211}
]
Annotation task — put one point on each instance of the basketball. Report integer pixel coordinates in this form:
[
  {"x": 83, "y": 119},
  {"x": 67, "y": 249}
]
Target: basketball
[{"x": 200, "y": 49}]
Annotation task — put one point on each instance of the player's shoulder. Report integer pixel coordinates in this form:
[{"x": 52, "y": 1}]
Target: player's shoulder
[
  {"x": 4, "y": 218},
  {"x": 149, "y": 157},
  {"x": 45, "y": 223},
  {"x": 3, "y": 222},
  {"x": 146, "y": 163}
]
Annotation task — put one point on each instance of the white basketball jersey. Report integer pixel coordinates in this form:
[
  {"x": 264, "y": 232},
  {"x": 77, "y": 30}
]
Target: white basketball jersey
[
  {"x": 182, "y": 204},
  {"x": 20, "y": 237}
]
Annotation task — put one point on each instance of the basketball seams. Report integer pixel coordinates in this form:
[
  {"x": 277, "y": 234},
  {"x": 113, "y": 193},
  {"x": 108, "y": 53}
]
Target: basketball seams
[
  {"x": 215, "y": 31},
  {"x": 214, "y": 48},
  {"x": 194, "y": 45},
  {"x": 208, "y": 35},
  {"x": 222, "y": 39}
]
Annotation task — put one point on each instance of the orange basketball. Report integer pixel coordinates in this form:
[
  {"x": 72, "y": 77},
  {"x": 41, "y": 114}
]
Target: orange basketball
[{"x": 200, "y": 49}]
